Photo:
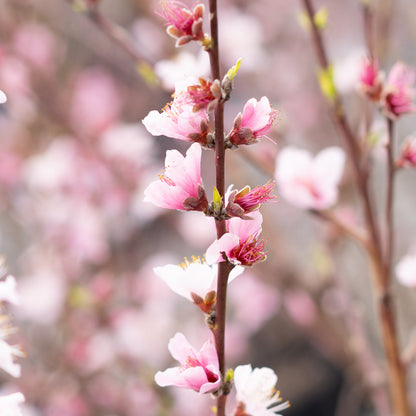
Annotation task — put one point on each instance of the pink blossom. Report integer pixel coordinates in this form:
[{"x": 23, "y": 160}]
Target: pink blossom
[
  {"x": 309, "y": 182},
  {"x": 407, "y": 158},
  {"x": 398, "y": 92},
  {"x": 9, "y": 404},
  {"x": 371, "y": 79},
  {"x": 180, "y": 185},
  {"x": 36, "y": 44},
  {"x": 197, "y": 371},
  {"x": 184, "y": 24},
  {"x": 240, "y": 203},
  {"x": 257, "y": 120},
  {"x": 196, "y": 280},
  {"x": 241, "y": 244},
  {"x": 95, "y": 104},
  {"x": 179, "y": 122},
  {"x": 406, "y": 270},
  {"x": 256, "y": 393}
]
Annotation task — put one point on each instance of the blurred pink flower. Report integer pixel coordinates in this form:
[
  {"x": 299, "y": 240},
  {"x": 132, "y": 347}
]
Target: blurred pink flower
[
  {"x": 307, "y": 182},
  {"x": 240, "y": 203},
  {"x": 180, "y": 185},
  {"x": 300, "y": 307},
  {"x": 406, "y": 270},
  {"x": 257, "y": 120},
  {"x": 398, "y": 92},
  {"x": 8, "y": 292},
  {"x": 407, "y": 157},
  {"x": 193, "y": 278},
  {"x": 179, "y": 122},
  {"x": 241, "y": 244},
  {"x": 184, "y": 64},
  {"x": 95, "y": 103},
  {"x": 371, "y": 79},
  {"x": 256, "y": 393},
  {"x": 9, "y": 404},
  {"x": 36, "y": 44},
  {"x": 248, "y": 311},
  {"x": 197, "y": 371},
  {"x": 184, "y": 24}
]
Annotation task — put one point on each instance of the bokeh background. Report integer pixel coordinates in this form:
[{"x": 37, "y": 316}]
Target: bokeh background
[{"x": 94, "y": 320}]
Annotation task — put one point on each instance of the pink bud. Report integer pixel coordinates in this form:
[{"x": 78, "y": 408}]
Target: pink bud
[{"x": 398, "y": 92}]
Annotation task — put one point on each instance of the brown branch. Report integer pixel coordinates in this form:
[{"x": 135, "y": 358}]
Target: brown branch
[
  {"x": 396, "y": 370},
  {"x": 223, "y": 269}
]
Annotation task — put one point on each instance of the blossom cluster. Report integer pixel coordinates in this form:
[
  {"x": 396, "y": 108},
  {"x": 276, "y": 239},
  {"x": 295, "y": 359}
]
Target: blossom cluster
[{"x": 188, "y": 118}]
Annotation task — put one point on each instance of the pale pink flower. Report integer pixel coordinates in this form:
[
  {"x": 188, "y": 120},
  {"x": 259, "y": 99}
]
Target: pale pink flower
[
  {"x": 8, "y": 292},
  {"x": 257, "y": 120},
  {"x": 196, "y": 280},
  {"x": 184, "y": 24},
  {"x": 407, "y": 158},
  {"x": 180, "y": 185},
  {"x": 256, "y": 393},
  {"x": 95, "y": 103},
  {"x": 398, "y": 92},
  {"x": 309, "y": 182},
  {"x": 3, "y": 97},
  {"x": 179, "y": 122},
  {"x": 36, "y": 44},
  {"x": 406, "y": 270},
  {"x": 371, "y": 79},
  {"x": 240, "y": 203},
  {"x": 10, "y": 404},
  {"x": 197, "y": 371},
  {"x": 241, "y": 244}
]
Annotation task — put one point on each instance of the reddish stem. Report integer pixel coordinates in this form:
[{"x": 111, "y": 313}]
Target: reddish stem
[{"x": 223, "y": 270}]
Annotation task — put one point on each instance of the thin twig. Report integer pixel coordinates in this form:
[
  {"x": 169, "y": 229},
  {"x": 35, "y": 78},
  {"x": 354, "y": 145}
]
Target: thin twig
[
  {"x": 389, "y": 200},
  {"x": 223, "y": 269},
  {"x": 117, "y": 34},
  {"x": 353, "y": 232}
]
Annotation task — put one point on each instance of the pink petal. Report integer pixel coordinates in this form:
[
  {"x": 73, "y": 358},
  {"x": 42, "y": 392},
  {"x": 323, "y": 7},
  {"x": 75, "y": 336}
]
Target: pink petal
[{"x": 225, "y": 244}]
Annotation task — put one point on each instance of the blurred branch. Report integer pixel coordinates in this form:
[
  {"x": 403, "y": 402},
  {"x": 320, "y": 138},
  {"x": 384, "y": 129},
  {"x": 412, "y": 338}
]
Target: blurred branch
[
  {"x": 396, "y": 370},
  {"x": 119, "y": 36},
  {"x": 354, "y": 233}
]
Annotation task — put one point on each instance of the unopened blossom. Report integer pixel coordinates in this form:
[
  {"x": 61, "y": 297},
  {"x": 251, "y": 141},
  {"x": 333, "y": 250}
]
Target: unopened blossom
[
  {"x": 10, "y": 404},
  {"x": 180, "y": 185},
  {"x": 195, "y": 280},
  {"x": 198, "y": 370},
  {"x": 8, "y": 292},
  {"x": 371, "y": 79},
  {"x": 240, "y": 203},
  {"x": 310, "y": 182},
  {"x": 407, "y": 157},
  {"x": 241, "y": 244},
  {"x": 179, "y": 122},
  {"x": 398, "y": 91},
  {"x": 257, "y": 120},
  {"x": 184, "y": 24},
  {"x": 256, "y": 393},
  {"x": 406, "y": 270}
]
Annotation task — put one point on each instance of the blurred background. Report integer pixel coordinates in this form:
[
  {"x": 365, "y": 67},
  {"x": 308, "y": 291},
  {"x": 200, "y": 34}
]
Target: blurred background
[{"x": 94, "y": 320}]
